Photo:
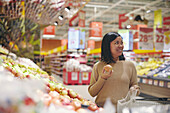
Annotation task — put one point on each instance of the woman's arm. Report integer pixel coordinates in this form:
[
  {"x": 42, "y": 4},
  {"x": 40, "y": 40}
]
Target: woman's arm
[{"x": 96, "y": 82}]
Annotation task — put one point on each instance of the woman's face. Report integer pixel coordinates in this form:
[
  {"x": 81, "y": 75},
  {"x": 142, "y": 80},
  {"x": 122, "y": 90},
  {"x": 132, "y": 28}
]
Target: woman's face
[{"x": 116, "y": 47}]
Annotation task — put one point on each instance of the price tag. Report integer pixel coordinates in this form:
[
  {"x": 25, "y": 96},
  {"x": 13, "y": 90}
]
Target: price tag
[
  {"x": 146, "y": 39},
  {"x": 150, "y": 81},
  {"x": 74, "y": 76},
  {"x": 161, "y": 83},
  {"x": 85, "y": 76},
  {"x": 159, "y": 38},
  {"x": 155, "y": 82},
  {"x": 168, "y": 84}
]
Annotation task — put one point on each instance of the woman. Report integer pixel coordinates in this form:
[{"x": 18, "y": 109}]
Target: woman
[{"x": 122, "y": 78}]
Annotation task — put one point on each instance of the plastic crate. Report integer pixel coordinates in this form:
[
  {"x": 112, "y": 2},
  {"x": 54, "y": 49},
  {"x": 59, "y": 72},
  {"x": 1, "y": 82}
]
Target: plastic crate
[
  {"x": 84, "y": 78},
  {"x": 71, "y": 78}
]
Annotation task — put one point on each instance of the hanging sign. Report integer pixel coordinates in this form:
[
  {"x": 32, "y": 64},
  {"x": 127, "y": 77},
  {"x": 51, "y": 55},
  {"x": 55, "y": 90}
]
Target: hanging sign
[
  {"x": 50, "y": 30},
  {"x": 166, "y": 20},
  {"x": 91, "y": 44},
  {"x": 96, "y": 29},
  {"x": 158, "y": 18},
  {"x": 73, "y": 38},
  {"x": 82, "y": 18},
  {"x": 167, "y": 40},
  {"x": 82, "y": 39},
  {"x": 122, "y": 21},
  {"x": 159, "y": 38},
  {"x": 146, "y": 38}
]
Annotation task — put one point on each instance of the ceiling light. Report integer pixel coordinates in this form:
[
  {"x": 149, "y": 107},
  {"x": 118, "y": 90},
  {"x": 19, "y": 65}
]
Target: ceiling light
[
  {"x": 130, "y": 18},
  {"x": 56, "y": 23},
  {"x": 128, "y": 26},
  {"x": 67, "y": 9},
  {"x": 148, "y": 11},
  {"x": 61, "y": 17}
]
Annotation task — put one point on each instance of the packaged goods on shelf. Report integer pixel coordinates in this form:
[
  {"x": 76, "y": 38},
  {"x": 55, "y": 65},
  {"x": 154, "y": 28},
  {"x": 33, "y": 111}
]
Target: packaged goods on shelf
[{"x": 76, "y": 73}]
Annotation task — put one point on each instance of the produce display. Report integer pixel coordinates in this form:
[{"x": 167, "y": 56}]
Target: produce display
[
  {"x": 53, "y": 95},
  {"x": 154, "y": 68}
]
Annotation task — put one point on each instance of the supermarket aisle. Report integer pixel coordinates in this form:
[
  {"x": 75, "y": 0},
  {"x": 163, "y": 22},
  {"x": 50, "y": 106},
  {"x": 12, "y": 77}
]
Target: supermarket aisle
[{"x": 80, "y": 89}]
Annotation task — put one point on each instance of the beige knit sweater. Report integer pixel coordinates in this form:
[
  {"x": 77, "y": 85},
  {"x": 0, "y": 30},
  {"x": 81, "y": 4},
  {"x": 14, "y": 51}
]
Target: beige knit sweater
[{"x": 117, "y": 86}]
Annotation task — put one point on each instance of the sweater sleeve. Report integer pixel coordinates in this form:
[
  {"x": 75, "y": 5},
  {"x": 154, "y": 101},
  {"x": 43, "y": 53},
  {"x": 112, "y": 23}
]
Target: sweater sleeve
[
  {"x": 133, "y": 80},
  {"x": 96, "y": 82}
]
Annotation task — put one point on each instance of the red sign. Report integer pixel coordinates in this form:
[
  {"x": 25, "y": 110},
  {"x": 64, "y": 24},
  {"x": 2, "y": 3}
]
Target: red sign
[
  {"x": 159, "y": 39},
  {"x": 166, "y": 21},
  {"x": 82, "y": 18},
  {"x": 91, "y": 44},
  {"x": 122, "y": 19},
  {"x": 74, "y": 20},
  {"x": 64, "y": 42},
  {"x": 146, "y": 38},
  {"x": 50, "y": 30},
  {"x": 96, "y": 29}
]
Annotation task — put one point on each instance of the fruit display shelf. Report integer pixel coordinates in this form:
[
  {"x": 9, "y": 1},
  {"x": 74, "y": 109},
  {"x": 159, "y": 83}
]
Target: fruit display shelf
[{"x": 53, "y": 95}]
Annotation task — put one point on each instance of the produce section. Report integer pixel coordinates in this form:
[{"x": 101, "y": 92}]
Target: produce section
[{"x": 51, "y": 93}]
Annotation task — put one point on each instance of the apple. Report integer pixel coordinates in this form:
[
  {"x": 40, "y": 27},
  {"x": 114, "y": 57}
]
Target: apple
[
  {"x": 92, "y": 107},
  {"x": 56, "y": 101},
  {"x": 76, "y": 104},
  {"x": 54, "y": 94},
  {"x": 58, "y": 88},
  {"x": 79, "y": 97},
  {"x": 9, "y": 68},
  {"x": 70, "y": 107},
  {"x": 64, "y": 100},
  {"x": 28, "y": 101},
  {"x": 81, "y": 110},
  {"x": 28, "y": 76},
  {"x": 107, "y": 68},
  {"x": 52, "y": 87},
  {"x": 47, "y": 89},
  {"x": 47, "y": 99},
  {"x": 72, "y": 94},
  {"x": 64, "y": 92}
]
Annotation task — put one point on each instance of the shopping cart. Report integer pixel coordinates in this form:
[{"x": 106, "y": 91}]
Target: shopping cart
[{"x": 132, "y": 104}]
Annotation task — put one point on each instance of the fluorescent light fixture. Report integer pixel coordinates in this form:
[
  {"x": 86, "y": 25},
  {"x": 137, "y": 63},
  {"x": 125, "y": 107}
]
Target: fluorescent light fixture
[
  {"x": 128, "y": 26},
  {"x": 101, "y": 6},
  {"x": 95, "y": 38},
  {"x": 148, "y": 11},
  {"x": 48, "y": 36},
  {"x": 67, "y": 9},
  {"x": 56, "y": 23},
  {"x": 60, "y": 17}
]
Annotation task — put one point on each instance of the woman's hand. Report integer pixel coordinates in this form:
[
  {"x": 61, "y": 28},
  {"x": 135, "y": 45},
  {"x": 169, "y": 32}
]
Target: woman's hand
[
  {"x": 135, "y": 87},
  {"x": 107, "y": 72}
]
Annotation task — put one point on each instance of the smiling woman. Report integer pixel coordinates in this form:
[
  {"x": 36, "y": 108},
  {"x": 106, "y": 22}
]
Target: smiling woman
[{"x": 122, "y": 77}]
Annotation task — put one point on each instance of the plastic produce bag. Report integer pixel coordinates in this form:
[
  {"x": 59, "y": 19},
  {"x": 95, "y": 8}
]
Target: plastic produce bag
[{"x": 126, "y": 102}]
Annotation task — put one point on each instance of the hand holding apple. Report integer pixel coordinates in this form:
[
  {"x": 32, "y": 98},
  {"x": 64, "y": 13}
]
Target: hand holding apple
[{"x": 107, "y": 72}]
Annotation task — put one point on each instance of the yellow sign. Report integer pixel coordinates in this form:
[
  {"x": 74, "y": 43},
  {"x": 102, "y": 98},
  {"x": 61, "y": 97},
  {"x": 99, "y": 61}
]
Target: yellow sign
[{"x": 158, "y": 18}]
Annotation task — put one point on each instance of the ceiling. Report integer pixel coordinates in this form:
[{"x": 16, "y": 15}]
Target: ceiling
[{"x": 107, "y": 12}]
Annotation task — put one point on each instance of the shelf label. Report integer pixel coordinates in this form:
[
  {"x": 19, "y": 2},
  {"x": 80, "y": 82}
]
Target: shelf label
[
  {"x": 150, "y": 81},
  {"x": 85, "y": 75},
  {"x": 161, "y": 83},
  {"x": 146, "y": 39},
  {"x": 155, "y": 82},
  {"x": 168, "y": 84},
  {"x": 74, "y": 76}
]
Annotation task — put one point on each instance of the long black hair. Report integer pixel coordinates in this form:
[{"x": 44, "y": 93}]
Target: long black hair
[{"x": 106, "y": 55}]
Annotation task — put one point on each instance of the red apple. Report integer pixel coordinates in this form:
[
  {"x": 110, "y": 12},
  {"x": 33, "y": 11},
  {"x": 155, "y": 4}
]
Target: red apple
[
  {"x": 92, "y": 107},
  {"x": 28, "y": 76},
  {"x": 81, "y": 110},
  {"x": 56, "y": 101},
  {"x": 76, "y": 104},
  {"x": 54, "y": 94},
  {"x": 79, "y": 97},
  {"x": 47, "y": 99},
  {"x": 72, "y": 94}
]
